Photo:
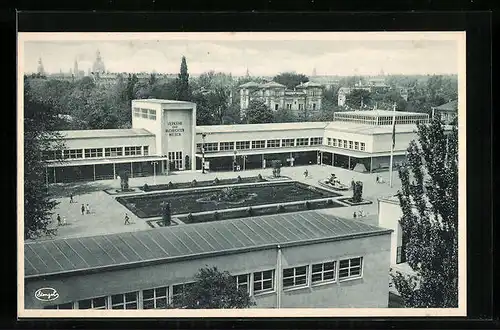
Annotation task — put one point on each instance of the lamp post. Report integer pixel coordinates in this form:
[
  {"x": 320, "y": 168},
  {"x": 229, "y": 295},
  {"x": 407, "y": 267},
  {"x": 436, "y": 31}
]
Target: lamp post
[
  {"x": 203, "y": 135},
  {"x": 154, "y": 171}
]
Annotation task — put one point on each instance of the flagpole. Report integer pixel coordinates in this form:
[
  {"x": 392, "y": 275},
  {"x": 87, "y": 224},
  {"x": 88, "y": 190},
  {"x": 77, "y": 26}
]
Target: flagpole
[{"x": 392, "y": 144}]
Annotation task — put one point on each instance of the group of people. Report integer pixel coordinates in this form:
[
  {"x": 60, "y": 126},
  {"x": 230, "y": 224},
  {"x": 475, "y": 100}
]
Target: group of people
[
  {"x": 85, "y": 208},
  {"x": 359, "y": 214}
]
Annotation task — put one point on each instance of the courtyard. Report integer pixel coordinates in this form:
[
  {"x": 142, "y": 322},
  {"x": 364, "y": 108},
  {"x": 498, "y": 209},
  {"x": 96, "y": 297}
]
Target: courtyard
[{"x": 107, "y": 214}]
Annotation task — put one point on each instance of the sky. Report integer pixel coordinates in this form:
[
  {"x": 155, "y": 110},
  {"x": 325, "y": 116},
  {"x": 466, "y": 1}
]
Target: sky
[{"x": 360, "y": 56}]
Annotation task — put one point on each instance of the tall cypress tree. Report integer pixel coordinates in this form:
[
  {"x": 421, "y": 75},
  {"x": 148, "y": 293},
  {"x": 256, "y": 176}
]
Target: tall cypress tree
[
  {"x": 429, "y": 203},
  {"x": 182, "y": 83}
]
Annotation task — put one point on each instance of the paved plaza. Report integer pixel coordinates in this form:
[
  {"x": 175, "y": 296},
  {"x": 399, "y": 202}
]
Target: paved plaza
[{"x": 107, "y": 215}]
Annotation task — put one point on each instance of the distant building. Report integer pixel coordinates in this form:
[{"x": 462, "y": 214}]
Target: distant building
[
  {"x": 447, "y": 111},
  {"x": 40, "y": 69},
  {"x": 98, "y": 66},
  {"x": 304, "y": 99}
]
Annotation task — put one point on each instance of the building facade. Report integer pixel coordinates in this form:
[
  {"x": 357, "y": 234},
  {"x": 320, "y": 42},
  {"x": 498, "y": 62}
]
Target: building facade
[
  {"x": 305, "y": 259},
  {"x": 304, "y": 99},
  {"x": 164, "y": 138},
  {"x": 448, "y": 112}
]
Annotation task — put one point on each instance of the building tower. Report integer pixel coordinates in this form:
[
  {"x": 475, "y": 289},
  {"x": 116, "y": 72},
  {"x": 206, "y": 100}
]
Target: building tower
[
  {"x": 314, "y": 72},
  {"x": 40, "y": 69},
  {"x": 247, "y": 73},
  {"x": 76, "y": 72},
  {"x": 98, "y": 66}
]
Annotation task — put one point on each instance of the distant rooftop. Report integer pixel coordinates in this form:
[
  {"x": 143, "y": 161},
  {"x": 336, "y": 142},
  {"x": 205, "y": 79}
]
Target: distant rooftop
[
  {"x": 105, "y": 133},
  {"x": 369, "y": 129},
  {"x": 380, "y": 113},
  {"x": 450, "y": 106},
  {"x": 201, "y": 240}
]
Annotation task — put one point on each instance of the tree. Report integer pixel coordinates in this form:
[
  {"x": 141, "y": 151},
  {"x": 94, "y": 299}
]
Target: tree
[
  {"x": 182, "y": 83},
  {"x": 39, "y": 137},
  {"x": 284, "y": 116},
  {"x": 124, "y": 176},
  {"x": 291, "y": 79},
  {"x": 357, "y": 194},
  {"x": 213, "y": 289},
  {"x": 258, "y": 112},
  {"x": 357, "y": 98},
  {"x": 276, "y": 165},
  {"x": 429, "y": 203}
]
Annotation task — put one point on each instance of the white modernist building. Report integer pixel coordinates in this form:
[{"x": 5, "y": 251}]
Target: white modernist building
[{"x": 164, "y": 137}]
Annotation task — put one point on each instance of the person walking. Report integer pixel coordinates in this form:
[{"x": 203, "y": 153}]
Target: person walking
[
  {"x": 306, "y": 173},
  {"x": 87, "y": 209},
  {"x": 83, "y": 209},
  {"x": 127, "y": 219},
  {"x": 354, "y": 214},
  {"x": 59, "y": 222},
  {"x": 377, "y": 179},
  {"x": 71, "y": 198}
]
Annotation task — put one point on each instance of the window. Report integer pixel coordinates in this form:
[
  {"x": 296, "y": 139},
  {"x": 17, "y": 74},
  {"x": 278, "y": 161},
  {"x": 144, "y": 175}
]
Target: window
[
  {"x": 356, "y": 145},
  {"x": 273, "y": 143},
  {"x": 93, "y": 153},
  {"x": 329, "y": 141},
  {"x": 132, "y": 151},
  {"x": 242, "y": 145},
  {"x": 145, "y": 151},
  {"x": 49, "y": 155},
  {"x": 155, "y": 298},
  {"x": 226, "y": 146},
  {"x": 275, "y": 107},
  {"x": 289, "y": 106},
  {"x": 345, "y": 144},
  {"x": 323, "y": 272},
  {"x": 94, "y": 303},
  {"x": 302, "y": 141},
  {"x": 260, "y": 144},
  {"x": 124, "y": 301},
  {"x": 301, "y": 106},
  {"x": 294, "y": 277},
  {"x": 287, "y": 142},
  {"x": 72, "y": 153},
  {"x": 199, "y": 146},
  {"x": 60, "y": 306},
  {"x": 263, "y": 281},
  {"x": 316, "y": 140},
  {"x": 314, "y": 105},
  {"x": 362, "y": 146},
  {"x": 350, "y": 268},
  {"x": 210, "y": 147},
  {"x": 334, "y": 142},
  {"x": 242, "y": 282},
  {"x": 113, "y": 152},
  {"x": 152, "y": 114},
  {"x": 350, "y": 144}
]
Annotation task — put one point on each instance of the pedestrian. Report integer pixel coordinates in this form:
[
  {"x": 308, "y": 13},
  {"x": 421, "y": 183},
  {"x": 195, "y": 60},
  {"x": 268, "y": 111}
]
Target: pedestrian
[
  {"x": 59, "y": 220},
  {"x": 354, "y": 214},
  {"x": 83, "y": 209},
  {"x": 87, "y": 208},
  {"x": 352, "y": 184},
  {"x": 377, "y": 179},
  {"x": 306, "y": 173},
  {"x": 127, "y": 219},
  {"x": 71, "y": 198}
]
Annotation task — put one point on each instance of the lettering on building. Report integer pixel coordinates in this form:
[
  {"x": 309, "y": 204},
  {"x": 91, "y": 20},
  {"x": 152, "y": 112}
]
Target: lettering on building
[{"x": 174, "y": 129}]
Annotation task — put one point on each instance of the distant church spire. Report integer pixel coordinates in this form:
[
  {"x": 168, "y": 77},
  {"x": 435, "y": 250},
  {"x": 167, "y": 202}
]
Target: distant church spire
[
  {"x": 75, "y": 68},
  {"x": 314, "y": 72},
  {"x": 98, "y": 66},
  {"x": 248, "y": 73},
  {"x": 40, "y": 69}
]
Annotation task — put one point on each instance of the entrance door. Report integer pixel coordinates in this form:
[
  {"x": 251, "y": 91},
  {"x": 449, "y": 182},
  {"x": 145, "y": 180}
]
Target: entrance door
[{"x": 176, "y": 161}]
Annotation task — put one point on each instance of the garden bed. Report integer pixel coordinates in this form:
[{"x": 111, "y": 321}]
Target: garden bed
[
  {"x": 329, "y": 186},
  {"x": 205, "y": 183},
  {"x": 259, "y": 211},
  {"x": 348, "y": 201},
  {"x": 195, "y": 200},
  {"x": 120, "y": 192}
]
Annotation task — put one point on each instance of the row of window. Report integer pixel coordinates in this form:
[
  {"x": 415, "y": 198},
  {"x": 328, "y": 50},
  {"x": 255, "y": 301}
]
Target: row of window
[
  {"x": 144, "y": 113},
  {"x": 259, "y": 144},
  {"x": 355, "y": 145},
  {"x": 254, "y": 283},
  {"x": 97, "y": 152}
]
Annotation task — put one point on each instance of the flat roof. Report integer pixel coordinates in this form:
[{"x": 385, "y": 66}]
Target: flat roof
[
  {"x": 161, "y": 101},
  {"x": 259, "y": 127},
  {"x": 105, "y": 133},
  {"x": 193, "y": 241},
  {"x": 379, "y": 113},
  {"x": 102, "y": 161},
  {"x": 343, "y": 126}
]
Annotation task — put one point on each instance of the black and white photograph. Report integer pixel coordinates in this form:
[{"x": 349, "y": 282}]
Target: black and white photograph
[{"x": 241, "y": 174}]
